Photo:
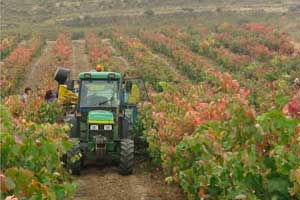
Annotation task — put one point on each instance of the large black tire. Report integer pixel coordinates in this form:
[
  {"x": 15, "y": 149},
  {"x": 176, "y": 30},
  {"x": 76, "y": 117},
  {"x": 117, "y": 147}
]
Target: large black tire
[
  {"x": 126, "y": 157},
  {"x": 61, "y": 75},
  {"x": 71, "y": 120},
  {"x": 75, "y": 167}
]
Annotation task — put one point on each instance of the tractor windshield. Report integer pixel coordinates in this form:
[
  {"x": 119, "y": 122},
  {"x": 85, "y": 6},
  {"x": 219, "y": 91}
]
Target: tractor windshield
[{"x": 99, "y": 93}]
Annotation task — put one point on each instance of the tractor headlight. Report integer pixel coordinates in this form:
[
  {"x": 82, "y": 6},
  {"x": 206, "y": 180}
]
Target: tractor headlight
[
  {"x": 94, "y": 127},
  {"x": 107, "y": 127}
]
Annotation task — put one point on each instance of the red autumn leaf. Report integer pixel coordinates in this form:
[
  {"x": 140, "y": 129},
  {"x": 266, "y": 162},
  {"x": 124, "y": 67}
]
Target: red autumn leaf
[
  {"x": 201, "y": 192},
  {"x": 294, "y": 108}
]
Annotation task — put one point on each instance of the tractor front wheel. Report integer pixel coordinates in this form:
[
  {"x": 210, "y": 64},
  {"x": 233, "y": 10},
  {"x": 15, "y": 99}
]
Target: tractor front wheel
[
  {"x": 74, "y": 165},
  {"x": 126, "y": 156}
]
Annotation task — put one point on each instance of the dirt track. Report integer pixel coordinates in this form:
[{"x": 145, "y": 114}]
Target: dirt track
[
  {"x": 35, "y": 72},
  {"x": 105, "y": 183},
  {"x": 44, "y": 63}
]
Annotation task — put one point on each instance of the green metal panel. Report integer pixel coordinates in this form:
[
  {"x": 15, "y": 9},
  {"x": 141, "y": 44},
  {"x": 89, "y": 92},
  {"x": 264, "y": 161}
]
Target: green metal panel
[
  {"x": 83, "y": 130},
  {"x": 99, "y": 75},
  {"x": 100, "y": 117},
  {"x": 91, "y": 148},
  {"x": 116, "y": 130},
  {"x": 110, "y": 146}
]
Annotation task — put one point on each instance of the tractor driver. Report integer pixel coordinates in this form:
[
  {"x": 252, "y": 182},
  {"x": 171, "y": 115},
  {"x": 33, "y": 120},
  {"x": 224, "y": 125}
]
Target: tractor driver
[
  {"x": 96, "y": 93},
  {"x": 93, "y": 94}
]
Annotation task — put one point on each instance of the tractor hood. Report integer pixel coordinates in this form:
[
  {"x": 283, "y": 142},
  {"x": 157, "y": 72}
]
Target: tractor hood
[{"x": 100, "y": 117}]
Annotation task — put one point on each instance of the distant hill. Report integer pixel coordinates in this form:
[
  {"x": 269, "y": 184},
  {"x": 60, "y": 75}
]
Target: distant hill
[{"x": 29, "y": 15}]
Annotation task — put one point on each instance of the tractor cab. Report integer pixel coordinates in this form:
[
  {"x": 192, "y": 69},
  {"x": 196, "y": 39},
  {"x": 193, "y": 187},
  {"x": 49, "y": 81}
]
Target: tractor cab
[{"x": 101, "y": 104}]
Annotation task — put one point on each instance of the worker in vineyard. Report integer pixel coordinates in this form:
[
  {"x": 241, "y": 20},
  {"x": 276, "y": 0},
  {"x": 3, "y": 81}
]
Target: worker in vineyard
[
  {"x": 134, "y": 96},
  {"x": 49, "y": 96},
  {"x": 26, "y": 94}
]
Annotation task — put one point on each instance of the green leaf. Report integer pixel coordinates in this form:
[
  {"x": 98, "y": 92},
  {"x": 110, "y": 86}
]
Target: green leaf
[
  {"x": 9, "y": 183},
  {"x": 281, "y": 100},
  {"x": 278, "y": 185}
]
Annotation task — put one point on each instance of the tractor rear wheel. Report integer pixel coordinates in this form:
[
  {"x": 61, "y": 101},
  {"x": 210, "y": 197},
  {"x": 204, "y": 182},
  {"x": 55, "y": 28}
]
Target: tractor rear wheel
[{"x": 126, "y": 156}]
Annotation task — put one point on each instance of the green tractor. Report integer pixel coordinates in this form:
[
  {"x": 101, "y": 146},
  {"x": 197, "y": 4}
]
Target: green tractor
[{"x": 102, "y": 120}]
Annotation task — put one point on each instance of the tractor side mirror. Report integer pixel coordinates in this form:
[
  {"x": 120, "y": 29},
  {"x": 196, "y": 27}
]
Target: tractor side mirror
[
  {"x": 70, "y": 85},
  {"x": 128, "y": 86}
]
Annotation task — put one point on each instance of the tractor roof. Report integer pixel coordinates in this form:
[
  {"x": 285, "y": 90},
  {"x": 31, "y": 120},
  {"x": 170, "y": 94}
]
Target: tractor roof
[{"x": 99, "y": 75}]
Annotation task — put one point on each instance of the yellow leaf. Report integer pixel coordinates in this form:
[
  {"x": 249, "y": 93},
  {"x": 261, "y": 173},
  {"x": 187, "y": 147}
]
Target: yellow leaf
[{"x": 297, "y": 175}]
